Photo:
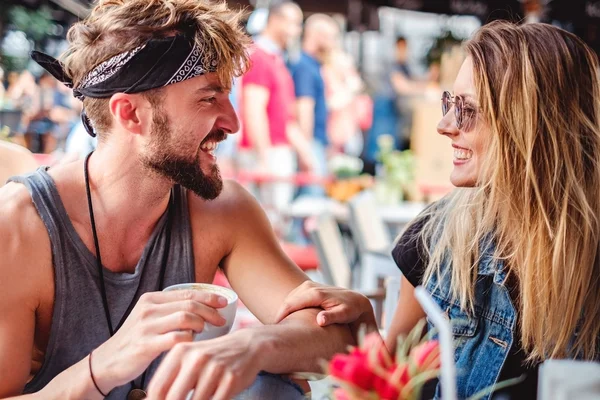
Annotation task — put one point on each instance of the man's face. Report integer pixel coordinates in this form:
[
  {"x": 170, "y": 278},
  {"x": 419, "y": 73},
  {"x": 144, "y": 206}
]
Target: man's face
[
  {"x": 328, "y": 39},
  {"x": 188, "y": 121},
  {"x": 290, "y": 25}
]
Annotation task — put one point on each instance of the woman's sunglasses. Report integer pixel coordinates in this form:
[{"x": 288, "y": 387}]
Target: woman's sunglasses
[{"x": 463, "y": 115}]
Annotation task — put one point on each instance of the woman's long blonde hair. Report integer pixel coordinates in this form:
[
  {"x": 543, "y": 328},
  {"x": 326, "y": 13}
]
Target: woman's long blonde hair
[{"x": 539, "y": 188}]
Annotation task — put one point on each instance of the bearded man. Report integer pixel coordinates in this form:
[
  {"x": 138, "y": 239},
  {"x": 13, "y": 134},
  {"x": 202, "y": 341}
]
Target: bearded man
[{"x": 87, "y": 247}]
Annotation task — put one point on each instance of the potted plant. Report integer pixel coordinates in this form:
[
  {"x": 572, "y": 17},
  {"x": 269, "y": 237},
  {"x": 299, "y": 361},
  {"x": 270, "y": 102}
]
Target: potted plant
[{"x": 396, "y": 172}]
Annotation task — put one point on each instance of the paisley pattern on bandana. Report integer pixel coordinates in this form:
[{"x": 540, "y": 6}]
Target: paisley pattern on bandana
[
  {"x": 198, "y": 62},
  {"x": 108, "y": 68}
]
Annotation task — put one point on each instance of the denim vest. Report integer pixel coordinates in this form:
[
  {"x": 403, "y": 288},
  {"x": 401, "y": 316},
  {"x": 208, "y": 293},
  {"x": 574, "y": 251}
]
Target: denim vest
[{"x": 482, "y": 340}]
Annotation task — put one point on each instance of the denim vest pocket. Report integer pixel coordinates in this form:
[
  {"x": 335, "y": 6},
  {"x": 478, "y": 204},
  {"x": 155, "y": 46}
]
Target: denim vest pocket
[
  {"x": 462, "y": 324},
  {"x": 482, "y": 337}
]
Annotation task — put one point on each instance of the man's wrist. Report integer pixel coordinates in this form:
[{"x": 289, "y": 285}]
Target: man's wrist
[
  {"x": 100, "y": 372},
  {"x": 74, "y": 383},
  {"x": 264, "y": 346}
]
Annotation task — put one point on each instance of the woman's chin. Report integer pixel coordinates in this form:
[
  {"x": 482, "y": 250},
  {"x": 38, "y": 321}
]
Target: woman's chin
[{"x": 460, "y": 179}]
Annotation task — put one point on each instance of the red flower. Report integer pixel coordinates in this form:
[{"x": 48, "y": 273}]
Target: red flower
[
  {"x": 396, "y": 378},
  {"x": 373, "y": 343},
  {"x": 385, "y": 389},
  {"x": 426, "y": 355},
  {"x": 353, "y": 369}
]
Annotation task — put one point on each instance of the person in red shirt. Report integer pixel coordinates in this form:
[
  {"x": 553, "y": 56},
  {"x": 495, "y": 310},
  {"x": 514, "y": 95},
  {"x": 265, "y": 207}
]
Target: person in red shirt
[{"x": 272, "y": 142}]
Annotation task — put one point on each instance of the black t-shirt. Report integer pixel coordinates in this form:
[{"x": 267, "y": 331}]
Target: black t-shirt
[{"x": 411, "y": 257}]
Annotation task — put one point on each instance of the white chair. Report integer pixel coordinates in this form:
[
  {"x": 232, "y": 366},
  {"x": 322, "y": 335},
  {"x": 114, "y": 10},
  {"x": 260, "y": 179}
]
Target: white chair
[
  {"x": 569, "y": 379},
  {"x": 334, "y": 264},
  {"x": 368, "y": 228},
  {"x": 373, "y": 241},
  {"x": 390, "y": 302},
  {"x": 336, "y": 271}
]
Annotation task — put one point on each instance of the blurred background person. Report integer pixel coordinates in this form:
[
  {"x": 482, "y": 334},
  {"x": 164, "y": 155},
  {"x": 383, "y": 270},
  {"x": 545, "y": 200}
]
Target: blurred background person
[
  {"x": 350, "y": 109},
  {"x": 20, "y": 93},
  {"x": 405, "y": 87},
  {"x": 392, "y": 112},
  {"x": 21, "y": 89},
  {"x": 272, "y": 142},
  {"x": 50, "y": 115},
  {"x": 321, "y": 34}
]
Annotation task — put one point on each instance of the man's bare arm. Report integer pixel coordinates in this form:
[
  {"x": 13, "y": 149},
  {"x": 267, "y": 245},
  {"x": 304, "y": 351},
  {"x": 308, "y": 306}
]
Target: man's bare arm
[
  {"x": 25, "y": 250},
  {"x": 263, "y": 276},
  {"x": 254, "y": 113},
  {"x": 305, "y": 108},
  {"x": 301, "y": 145}
]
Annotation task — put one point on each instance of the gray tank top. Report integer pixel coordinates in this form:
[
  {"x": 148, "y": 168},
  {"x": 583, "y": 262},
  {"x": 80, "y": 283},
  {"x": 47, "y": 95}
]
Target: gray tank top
[{"x": 78, "y": 319}]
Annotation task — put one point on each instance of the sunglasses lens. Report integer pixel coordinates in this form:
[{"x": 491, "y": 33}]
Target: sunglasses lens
[
  {"x": 445, "y": 103},
  {"x": 458, "y": 111}
]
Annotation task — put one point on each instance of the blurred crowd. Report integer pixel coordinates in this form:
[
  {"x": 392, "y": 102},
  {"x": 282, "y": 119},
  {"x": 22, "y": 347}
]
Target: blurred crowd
[
  {"x": 39, "y": 112},
  {"x": 302, "y": 103}
]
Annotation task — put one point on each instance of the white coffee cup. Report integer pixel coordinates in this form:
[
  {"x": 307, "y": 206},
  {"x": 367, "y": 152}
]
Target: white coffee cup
[{"x": 227, "y": 312}]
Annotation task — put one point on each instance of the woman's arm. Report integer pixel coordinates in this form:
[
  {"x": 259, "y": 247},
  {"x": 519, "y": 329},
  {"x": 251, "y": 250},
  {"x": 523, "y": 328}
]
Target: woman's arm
[{"x": 408, "y": 313}]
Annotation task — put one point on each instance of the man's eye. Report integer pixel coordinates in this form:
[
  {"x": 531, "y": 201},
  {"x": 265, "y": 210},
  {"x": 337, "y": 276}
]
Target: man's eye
[{"x": 210, "y": 100}]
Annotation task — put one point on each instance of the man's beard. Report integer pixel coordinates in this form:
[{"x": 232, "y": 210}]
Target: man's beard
[{"x": 164, "y": 159}]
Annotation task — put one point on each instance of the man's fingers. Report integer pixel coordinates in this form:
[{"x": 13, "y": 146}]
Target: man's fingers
[
  {"x": 179, "y": 321},
  {"x": 169, "y": 340},
  {"x": 185, "y": 380},
  {"x": 164, "y": 377},
  {"x": 225, "y": 391},
  {"x": 210, "y": 299},
  {"x": 207, "y": 313},
  {"x": 340, "y": 314},
  {"x": 208, "y": 382}
]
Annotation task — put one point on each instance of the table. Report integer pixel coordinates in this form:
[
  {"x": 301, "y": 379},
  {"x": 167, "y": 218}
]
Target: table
[{"x": 394, "y": 215}]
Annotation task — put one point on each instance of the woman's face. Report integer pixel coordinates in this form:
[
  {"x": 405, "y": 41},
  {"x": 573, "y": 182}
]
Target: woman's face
[{"x": 470, "y": 141}]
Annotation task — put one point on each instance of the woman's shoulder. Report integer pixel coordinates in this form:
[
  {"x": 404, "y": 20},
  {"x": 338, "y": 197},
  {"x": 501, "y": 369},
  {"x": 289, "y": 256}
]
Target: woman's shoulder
[{"x": 410, "y": 253}]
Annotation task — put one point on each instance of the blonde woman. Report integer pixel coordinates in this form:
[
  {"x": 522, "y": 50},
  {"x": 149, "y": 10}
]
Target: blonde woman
[{"x": 512, "y": 254}]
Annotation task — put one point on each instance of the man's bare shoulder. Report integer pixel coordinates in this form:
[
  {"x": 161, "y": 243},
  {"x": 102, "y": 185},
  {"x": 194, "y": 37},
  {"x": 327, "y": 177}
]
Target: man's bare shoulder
[
  {"x": 23, "y": 236},
  {"x": 234, "y": 201}
]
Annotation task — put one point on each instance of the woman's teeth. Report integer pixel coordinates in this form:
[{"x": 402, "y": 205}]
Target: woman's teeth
[
  {"x": 461, "y": 154},
  {"x": 210, "y": 146}
]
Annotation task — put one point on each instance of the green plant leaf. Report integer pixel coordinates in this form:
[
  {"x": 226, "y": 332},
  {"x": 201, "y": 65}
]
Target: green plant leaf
[{"x": 497, "y": 386}]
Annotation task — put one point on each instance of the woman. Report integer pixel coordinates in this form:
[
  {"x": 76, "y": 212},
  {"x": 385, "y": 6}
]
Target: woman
[{"x": 512, "y": 254}]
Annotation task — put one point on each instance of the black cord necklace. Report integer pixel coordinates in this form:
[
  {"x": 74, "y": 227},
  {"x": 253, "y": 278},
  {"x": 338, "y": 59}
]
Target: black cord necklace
[{"x": 135, "y": 393}]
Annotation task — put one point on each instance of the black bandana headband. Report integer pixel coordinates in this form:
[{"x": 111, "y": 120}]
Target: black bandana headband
[{"x": 158, "y": 63}]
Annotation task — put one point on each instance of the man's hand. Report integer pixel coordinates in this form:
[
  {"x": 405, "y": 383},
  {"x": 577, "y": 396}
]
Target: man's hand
[
  {"x": 340, "y": 306},
  {"x": 215, "y": 369},
  {"x": 158, "y": 322}
]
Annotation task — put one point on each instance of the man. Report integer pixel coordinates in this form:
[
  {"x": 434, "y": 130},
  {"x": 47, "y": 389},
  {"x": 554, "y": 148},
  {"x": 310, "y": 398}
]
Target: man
[
  {"x": 392, "y": 109},
  {"x": 87, "y": 247},
  {"x": 271, "y": 137},
  {"x": 320, "y": 37},
  {"x": 51, "y": 115}
]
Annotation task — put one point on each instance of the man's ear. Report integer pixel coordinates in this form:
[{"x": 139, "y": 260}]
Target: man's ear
[{"x": 130, "y": 111}]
